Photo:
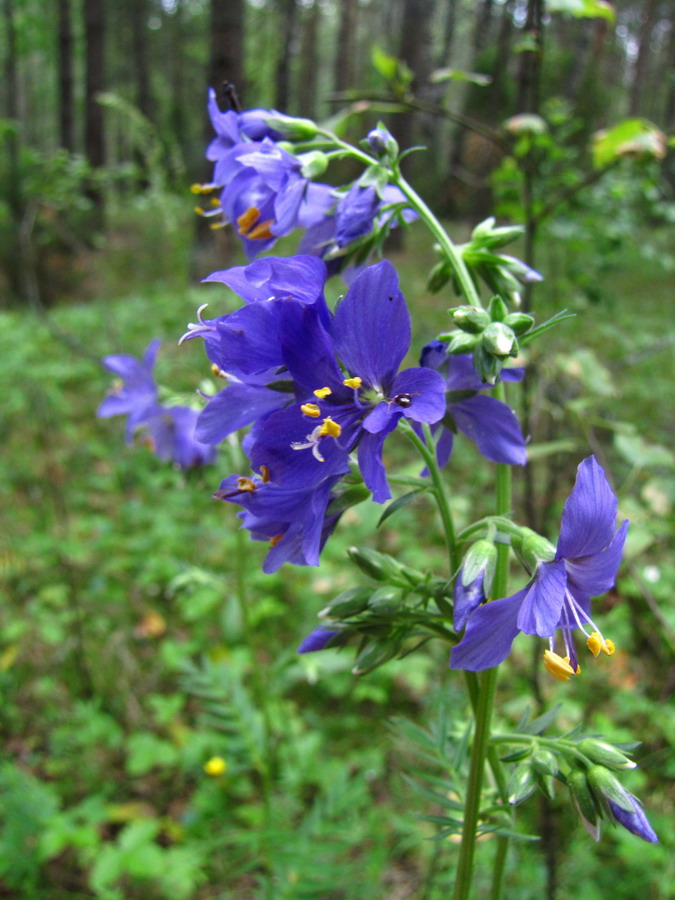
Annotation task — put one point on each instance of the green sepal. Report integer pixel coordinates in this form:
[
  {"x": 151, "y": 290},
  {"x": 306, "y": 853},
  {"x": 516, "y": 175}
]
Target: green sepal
[
  {"x": 471, "y": 319},
  {"x": 499, "y": 340},
  {"x": 522, "y": 784},
  {"x": 497, "y": 309},
  {"x": 385, "y": 601},
  {"x": 582, "y": 796},
  {"x": 607, "y": 786},
  {"x": 545, "y": 762},
  {"x": 348, "y": 603},
  {"x": 605, "y": 754},
  {"x": 519, "y": 322},
  {"x": 461, "y": 342}
]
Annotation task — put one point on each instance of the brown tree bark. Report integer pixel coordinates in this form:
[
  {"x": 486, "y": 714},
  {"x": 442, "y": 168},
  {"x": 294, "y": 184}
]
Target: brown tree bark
[
  {"x": 94, "y": 32},
  {"x": 65, "y": 69},
  {"x": 415, "y": 51},
  {"x": 288, "y": 12},
  {"x": 139, "y": 47},
  {"x": 345, "y": 56},
  {"x": 642, "y": 61},
  {"x": 94, "y": 135},
  {"x": 309, "y": 55},
  {"x": 529, "y": 75},
  {"x": 226, "y": 52}
]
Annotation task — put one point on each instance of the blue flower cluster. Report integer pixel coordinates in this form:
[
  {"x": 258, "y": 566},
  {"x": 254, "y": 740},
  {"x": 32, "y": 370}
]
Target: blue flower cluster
[
  {"x": 265, "y": 192},
  {"x": 168, "y": 430}
]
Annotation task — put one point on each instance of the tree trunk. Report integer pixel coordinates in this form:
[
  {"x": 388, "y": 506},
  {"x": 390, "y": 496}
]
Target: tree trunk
[
  {"x": 139, "y": 49},
  {"x": 226, "y": 54},
  {"x": 635, "y": 104},
  {"x": 309, "y": 61},
  {"x": 415, "y": 51},
  {"x": 94, "y": 137},
  {"x": 288, "y": 11},
  {"x": 65, "y": 64},
  {"x": 344, "y": 57},
  {"x": 529, "y": 76}
]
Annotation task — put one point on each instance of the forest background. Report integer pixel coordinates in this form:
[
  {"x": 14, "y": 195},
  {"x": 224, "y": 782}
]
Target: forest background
[{"x": 139, "y": 638}]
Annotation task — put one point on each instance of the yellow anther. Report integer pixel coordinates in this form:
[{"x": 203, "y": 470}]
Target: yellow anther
[
  {"x": 330, "y": 428},
  {"x": 310, "y": 409},
  {"x": 353, "y": 383},
  {"x": 559, "y": 666},
  {"x": 199, "y": 210},
  {"x": 245, "y": 485},
  {"x": 321, "y": 393},
  {"x": 248, "y": 219},
  {"x": 215, "y": 766},
  {"x": 597, "y": 642},
  {"x": 215, "y": 202},
  {"x": 216, "y": 226},
  {"x": 217, "y": 372},
  {"x": 264, "y": 474},
  {"x": 250, "y": 226},
  {"x": 275, "y": 540},
  {"x": 198, "y": 189}
]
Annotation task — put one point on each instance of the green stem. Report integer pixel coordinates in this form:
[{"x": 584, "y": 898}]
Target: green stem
[
  {"x": 483, "y": 716},
  {"x": 428, "y": 453},
  {"x": 451, "y": 252}
]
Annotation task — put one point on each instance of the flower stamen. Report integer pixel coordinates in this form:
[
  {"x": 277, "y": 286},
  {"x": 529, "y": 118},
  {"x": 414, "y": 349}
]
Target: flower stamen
[
  {"x": 559, "y": 666},
  {"x": 596, "y": 642},
  {"x": 354, "y": 383}
]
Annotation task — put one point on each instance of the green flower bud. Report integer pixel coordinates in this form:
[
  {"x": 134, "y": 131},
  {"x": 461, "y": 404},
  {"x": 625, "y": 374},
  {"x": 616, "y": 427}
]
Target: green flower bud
[
  {"x": 481, "y": 557},
  {"x": 519, "y": 322},
  {"x": 545, "y": 762},
  {"x": 497, "y": 309},
  {"x": 374, "y": 654},
  {"x": 471, "y": 319},
  {"x": 606, "y": 786},
  {"x": 378, "y": 566},
  {"x": 291, "y": 128},
  {"x": 499, "y": 340},
  {"x": 348, "y": 603},
  {"x": 314, "y": 164},
  {"x": 487, "y": 365},
  {"x": 385, "y": 601},
  {"x": 531, "y": 549},
  {"x": 522, "y": 784},
  {"x": 583, "y": 800},
  {"x": 461, "y": 342},
  {"x": 605, "y": 754},
  {"x": 439, "y": 276}
]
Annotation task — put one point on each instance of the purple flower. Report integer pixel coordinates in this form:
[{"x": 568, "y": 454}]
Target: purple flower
[
  {"x": 294, "y": 522},
  {"x": 245, "y": 346},
  {"x": 355, "y": 404},
  {"x": 265, "y": 195},
  {"x": 171, "y": 435},
  {"x": 488, "y": 422},
  {"x": 135, "y": 395},
  {"x": 558, "y": 597},
  {"x": 634, "y": 821},
  {"x": 318, "y": 639},
  {"x": 473, "y": 581},
  {"x": 170, "y": 431}
]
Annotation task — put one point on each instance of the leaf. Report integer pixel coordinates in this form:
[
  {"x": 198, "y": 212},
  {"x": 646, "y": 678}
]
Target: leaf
[
  {"x": 582, "y": 9},
  {"x": 632, "y": 137},
  {"x": 537, "y": 726},
  {"x": 641, "y": 453},
  {"x": 399, "y": 503},
  {"x": 440, "y": 75},
  {"x": 545, "y": 326}
]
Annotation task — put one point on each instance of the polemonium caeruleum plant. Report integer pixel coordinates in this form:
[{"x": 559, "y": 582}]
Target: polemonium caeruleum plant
[{"x": 320, "y": 387}]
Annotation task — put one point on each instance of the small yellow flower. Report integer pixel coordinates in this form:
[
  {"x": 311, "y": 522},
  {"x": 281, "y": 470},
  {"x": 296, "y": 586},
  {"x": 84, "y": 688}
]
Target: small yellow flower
[{"x": 215, "y": 766}]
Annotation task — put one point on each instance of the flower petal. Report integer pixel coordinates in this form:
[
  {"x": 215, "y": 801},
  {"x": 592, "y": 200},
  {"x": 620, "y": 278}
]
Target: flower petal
[
  {"x": 589, "y": 515},
  {"x": 636, "y": 822},
  {"x": 595, "y": 574},
  {"x": 372, "y": 326},
  {"x": 493, "y": 427},
  {"x": 370, "y": 463},
  {"x": 276, "y": 278},
  {"x": 318, "y": 639},
  {"x": 425, "y": 391},
  {"x": 233, "y": 408},
  {"x": 489, "y": 634},
  {"x": 543, "y": 600}
]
